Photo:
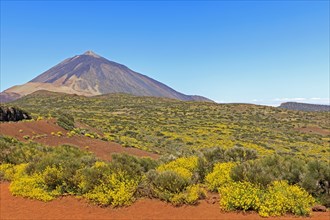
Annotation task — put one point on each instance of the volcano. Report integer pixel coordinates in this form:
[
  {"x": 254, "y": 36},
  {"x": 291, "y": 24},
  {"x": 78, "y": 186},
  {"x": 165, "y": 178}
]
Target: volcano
[{"x": 90, "y": 74}]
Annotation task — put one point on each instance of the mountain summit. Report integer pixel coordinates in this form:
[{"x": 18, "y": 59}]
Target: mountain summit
[{"x": 90, "y": 74}]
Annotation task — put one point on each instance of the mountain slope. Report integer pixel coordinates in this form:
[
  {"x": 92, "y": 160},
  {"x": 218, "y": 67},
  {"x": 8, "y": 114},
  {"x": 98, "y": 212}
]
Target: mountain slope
[
  {"x": 90, "y": 74},
  {"x": 305, "y": 107}
]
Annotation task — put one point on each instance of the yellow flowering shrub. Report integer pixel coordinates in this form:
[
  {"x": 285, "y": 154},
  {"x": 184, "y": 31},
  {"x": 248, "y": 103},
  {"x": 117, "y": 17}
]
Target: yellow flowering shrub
[
  {"x": 190, "y": 196},
  {"x": 32, "y": 187},
  {"x": 6, "y": 171},
  {"x": 11, "y": 172},
  {"x": 283, "y": 198},
  {"x": 240, "y": 196},
  {"x": 184, "y": 166},
  {"x": 53, "y": 176},
  {"x": 116, "y": 190},
  {"x": 278, "y": 199},
  {"x": 29, "y": 186},
  {"x": 219, "y": 176}
]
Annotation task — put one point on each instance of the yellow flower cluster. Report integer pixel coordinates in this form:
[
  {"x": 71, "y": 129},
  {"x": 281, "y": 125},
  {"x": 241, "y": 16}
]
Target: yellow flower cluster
[
  {"x": 219, "y": 176},
  {"x": 240, "y": 196},
  {"x": 184, "y": 166},
  {"x": 7, "y": 171},
  {"x": 278, "y": 199},
  {"x": 283, "y": 198},
  {"x": 27, "y": 186},
  {"x": 190, "y": 196},
  {"x": 116, "y": 190}
]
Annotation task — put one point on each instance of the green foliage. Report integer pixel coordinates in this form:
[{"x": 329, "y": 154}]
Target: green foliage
[
  {"x": 317, "y": 178},
  {"x": 168, "y": 183},
  {"x": 268, "y": 169},
  {"x": 133, "y": 166},
  {"x": 240, "y": 154},
  {"x": 65, "y": 120}
]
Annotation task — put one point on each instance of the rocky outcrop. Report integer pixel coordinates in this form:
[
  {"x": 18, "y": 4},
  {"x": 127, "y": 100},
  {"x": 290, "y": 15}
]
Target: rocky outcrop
[{"x": 12, "y": 114}]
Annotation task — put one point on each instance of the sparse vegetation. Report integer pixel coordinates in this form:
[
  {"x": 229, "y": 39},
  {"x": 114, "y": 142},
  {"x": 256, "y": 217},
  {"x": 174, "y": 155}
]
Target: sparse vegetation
[{"x": 254, "y": 156}]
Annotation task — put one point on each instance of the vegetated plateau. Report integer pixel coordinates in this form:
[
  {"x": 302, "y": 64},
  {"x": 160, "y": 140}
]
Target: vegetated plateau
[{"x": 270, "y": 160}]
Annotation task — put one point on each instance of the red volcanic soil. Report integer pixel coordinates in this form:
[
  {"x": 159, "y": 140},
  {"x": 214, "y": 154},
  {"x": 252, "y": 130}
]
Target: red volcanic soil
[
  {"x": 69, "y": 207},
  {"x": 12, "y": 207},
  {"x": 315, "y": 130},
  {"x": 41, "y": 133}
]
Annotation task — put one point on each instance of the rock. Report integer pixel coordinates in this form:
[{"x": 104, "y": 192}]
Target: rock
[
  {"x": 319, "y": 208},
  {"x": 213, "y": 200},
  {"x": 12, "y": 114}
]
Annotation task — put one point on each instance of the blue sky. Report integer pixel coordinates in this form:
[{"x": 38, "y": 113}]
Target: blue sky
[{"x": 261, "y": 52}]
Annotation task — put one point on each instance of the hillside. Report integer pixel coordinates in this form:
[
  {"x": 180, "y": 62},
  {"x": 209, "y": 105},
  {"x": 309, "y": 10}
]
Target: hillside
[
  {"x": 305, "y": 107},
  {"x": 89, "y": 74},
  {"x": 207, "y": 155},
  {"x": 169, "y": 126}
]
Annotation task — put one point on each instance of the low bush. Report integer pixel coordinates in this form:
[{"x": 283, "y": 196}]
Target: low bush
[
  {"x": 22, "y": 184},
  {"x": 32, "y": 187},
  {"x": 282, "y": 198},
  {"x": 65, "y": 121},
  {"x": 190, "y": 196},
  {"x": 186, "y": 167},
  {"x": 240, "y": 196},
  {"x": 277, "y": 199},
  {"x": 116, "y": 189},
  {"x": 167, "y": 183},
  {"x": 219, "y": 176}
]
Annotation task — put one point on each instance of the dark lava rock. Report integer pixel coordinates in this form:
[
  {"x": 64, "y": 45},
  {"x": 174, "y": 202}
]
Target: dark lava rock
[{"x": 12, "y": 114}]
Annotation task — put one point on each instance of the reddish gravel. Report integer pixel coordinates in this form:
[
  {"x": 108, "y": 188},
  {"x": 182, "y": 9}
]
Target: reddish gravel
[
  {"x": 314, "y": 130},
  {"x": 44, "y": 128},
  {"x": 72, "y": 208}
]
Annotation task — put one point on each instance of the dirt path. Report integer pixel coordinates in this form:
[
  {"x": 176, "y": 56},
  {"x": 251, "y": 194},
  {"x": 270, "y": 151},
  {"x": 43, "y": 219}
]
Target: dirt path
[
  {"x": 41, "y": 132},
  {"x": 72, "y": 208}
]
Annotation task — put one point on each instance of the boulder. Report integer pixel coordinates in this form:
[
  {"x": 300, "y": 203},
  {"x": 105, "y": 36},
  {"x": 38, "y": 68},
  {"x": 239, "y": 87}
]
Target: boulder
[
  {"x": 12, "y": 114},
  {"x": 319, "y": 208}
]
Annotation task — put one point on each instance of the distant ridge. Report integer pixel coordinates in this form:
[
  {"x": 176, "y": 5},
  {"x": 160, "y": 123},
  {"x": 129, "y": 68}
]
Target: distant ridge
[
  {"x": 305, "y": 107},
  {"x": 90, "y": 74}
]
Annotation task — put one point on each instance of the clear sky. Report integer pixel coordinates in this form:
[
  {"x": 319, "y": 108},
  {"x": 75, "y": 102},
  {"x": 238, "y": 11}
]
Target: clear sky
[{"x": 261, "y": 52}]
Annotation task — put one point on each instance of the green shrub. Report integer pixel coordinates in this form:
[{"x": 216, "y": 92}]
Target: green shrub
[
  {"x": 240, "y": 154},
  {"x": 167, "y": 183},
  {"x": 65, "y": 121},
  {"x": 87, "y": 178},
  {"x": 317, "y": 178},
  {"x": 270, "y": 168}
]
